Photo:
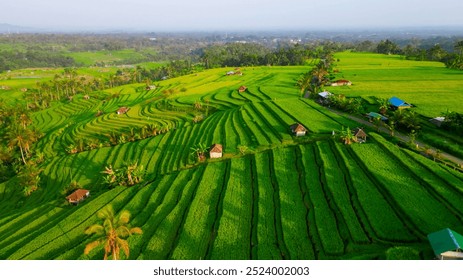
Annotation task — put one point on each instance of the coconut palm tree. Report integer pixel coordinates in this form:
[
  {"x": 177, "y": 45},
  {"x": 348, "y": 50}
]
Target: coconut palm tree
[
  {"x": 346, "y": 136},
  {"x": 24, "y": 120},
  {"x": 199, "y": 150},
  {"x": 197, "y": 105},
  {"x": 319, "y": 75},
  {"x": 459, "y": 48},
  {"x": 391, "y": 126},
  {"x": 152, "y": 129},
  {"x": 111, "y": 176},
  {"x": 377, "y": 122},
  {"x": 383, "y": 105},
  {"x": 112, "y": 137},
  {"x": 134, "y": 173},
  {"x": 304, "y": 82},
  {"x": 112, "y": 233},
  {"x": 22, "y": 138},
  {"x": 29, "y": 178}
]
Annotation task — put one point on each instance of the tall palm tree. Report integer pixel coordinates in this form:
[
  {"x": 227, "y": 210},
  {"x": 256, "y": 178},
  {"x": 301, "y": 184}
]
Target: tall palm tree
[
  {"x": 199, "y": 150},
  {"x": 391, "y": 126},
  {"x": 24, "y": 120},
  {"x": 383, "y": 105},
  {"x": 304, "y": 82},
  {"x": 459, "y": 48},
  {"x": 19, "y": 137},
  {"x": 319, "y": 75},
  {"x": 346, "y": 136},
  {"x": 112, "y": 233}
]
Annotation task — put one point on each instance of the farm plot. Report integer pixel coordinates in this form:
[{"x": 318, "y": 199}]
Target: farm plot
[
  {"x": 338, "y": 185},
  {"x": 414, "y": 200},
  {"x": 385, "y": 222},
  {"x": 269, "y": 231},
  {"x": 322, "y": 219},
  {"x": 198, "y": 229},
  {"x": 293, "y": 210},
  {"x": 443, "y": 192},
  {"x": 312, "y": 119},
  {"x": 234, "y": 229}
]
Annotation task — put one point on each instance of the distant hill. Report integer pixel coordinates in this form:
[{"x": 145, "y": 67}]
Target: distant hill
[{"x": 9, "y": 28}]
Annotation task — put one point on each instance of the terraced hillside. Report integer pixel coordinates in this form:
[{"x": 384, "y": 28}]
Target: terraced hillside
[{"x": 282, "y": 198}]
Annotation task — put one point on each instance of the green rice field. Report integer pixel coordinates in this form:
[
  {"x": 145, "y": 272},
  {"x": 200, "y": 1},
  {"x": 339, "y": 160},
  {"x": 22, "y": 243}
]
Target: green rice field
[{"x": 285, "y": 197}]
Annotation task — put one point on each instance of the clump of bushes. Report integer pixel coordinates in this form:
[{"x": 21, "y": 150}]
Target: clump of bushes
[
  {"x": 402, "y": 253},
  {"x": 128, "y": 175}
]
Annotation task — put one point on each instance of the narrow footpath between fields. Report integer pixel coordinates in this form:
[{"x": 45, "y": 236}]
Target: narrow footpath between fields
[{"x": 402, "y": 137}]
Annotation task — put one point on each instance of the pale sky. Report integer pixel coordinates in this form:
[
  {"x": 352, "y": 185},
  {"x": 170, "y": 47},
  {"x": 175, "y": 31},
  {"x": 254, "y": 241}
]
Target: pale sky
[{"x": 216, "y": 15}]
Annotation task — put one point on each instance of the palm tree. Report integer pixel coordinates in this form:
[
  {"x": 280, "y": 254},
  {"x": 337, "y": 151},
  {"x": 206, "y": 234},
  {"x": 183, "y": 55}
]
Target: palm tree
[
  {"x": 19, "y": 137},
  {"x": 134, "y": 173},
  {"x": 391, "y": 126},
  {"x": 29, "y": 178},
  {"x": 377, "y": 122},
  {"x": 304, "y": 82},
  {"x": 112, "y": 233},
  {"x": 24, "y": 120},
  {"x": 112, "y": 137},
  {"x": 200, "y": 151},
  {"x": 383, "y": 105},
  {"x": 347, "y": 136},
  {"x": 459, "y": 48},
  {"x": 197, "y": 105},
  {"x": 111, "y": 176},
  {"x": 319, "y": 75},
  {"x": 152, "y": 129}
]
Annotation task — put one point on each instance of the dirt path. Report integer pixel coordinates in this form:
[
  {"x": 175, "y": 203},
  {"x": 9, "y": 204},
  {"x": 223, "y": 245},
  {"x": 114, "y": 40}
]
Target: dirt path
[{"x": 402, "y": 137}]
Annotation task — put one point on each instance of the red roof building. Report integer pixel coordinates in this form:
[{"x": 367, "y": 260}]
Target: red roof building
[
  {"x": 122, "y": 110},
  {"x": 216, "y": 151},
  {"x": 77, "y": 196},
  {"x": 341, "y": 83},
  {"x": 298, "y": 129}
]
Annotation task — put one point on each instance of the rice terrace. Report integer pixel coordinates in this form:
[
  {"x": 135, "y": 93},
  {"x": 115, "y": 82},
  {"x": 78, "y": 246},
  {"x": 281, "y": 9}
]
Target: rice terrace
[{"x": 230, "y": 162}]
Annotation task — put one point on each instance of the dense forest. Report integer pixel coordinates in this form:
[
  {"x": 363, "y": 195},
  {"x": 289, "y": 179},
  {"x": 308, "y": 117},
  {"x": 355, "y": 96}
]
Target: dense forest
[{"x": 53, "y": 50}]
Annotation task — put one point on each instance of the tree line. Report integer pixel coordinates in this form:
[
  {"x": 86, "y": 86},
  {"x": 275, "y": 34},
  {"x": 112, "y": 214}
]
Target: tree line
[
  {"x": 13, "y": 59},
  {"x": 17, "y": 153},
  {"x": 52, "y": 50},
  {"x": 451, "y": 59}
]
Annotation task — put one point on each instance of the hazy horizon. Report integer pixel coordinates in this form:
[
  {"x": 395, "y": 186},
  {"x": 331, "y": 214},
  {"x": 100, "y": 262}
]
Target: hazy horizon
[{"x": 236, "y": 15}]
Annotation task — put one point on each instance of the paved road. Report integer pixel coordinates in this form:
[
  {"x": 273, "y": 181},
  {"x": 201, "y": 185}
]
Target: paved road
[{"x": 402, "y": 137}]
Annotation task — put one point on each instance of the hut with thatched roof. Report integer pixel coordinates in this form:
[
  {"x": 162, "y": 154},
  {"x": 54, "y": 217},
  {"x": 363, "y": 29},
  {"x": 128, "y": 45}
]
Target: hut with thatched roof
[
  {"x": 77, "y": 196},
  {"x": 298, "y": 129},
  {"x": 216, "y": 151}
]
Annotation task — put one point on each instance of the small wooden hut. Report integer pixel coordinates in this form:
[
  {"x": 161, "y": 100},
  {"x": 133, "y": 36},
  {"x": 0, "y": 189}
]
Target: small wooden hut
[
  {"x": 216, "y": 151},
  {"x": 359, "y": 135},
  {"x": 77, "y": 196},
  {"x": 122, "y": 110},
  {"x": 298, "y": 129}
]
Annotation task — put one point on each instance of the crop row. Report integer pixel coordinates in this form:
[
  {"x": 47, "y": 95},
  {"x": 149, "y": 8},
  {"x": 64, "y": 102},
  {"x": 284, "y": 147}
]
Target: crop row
[
  {"x": 198, "y": 228},
  {"x": 405, "y": 190},
  {"x": 293, "y": 209},
  {"x": 385, "y": 223},
  {"x": 165, "y": 202},
  {"x": 66, "y": 231},
  {"x": 164, "y": 239},
  {"x": 269, "y": 231},
  {"x": 234, "y": 230},
  {"x": 337, "y": 184},
  {"x": 434, "y": 185},
  {"x": 324, "y": 219}
]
